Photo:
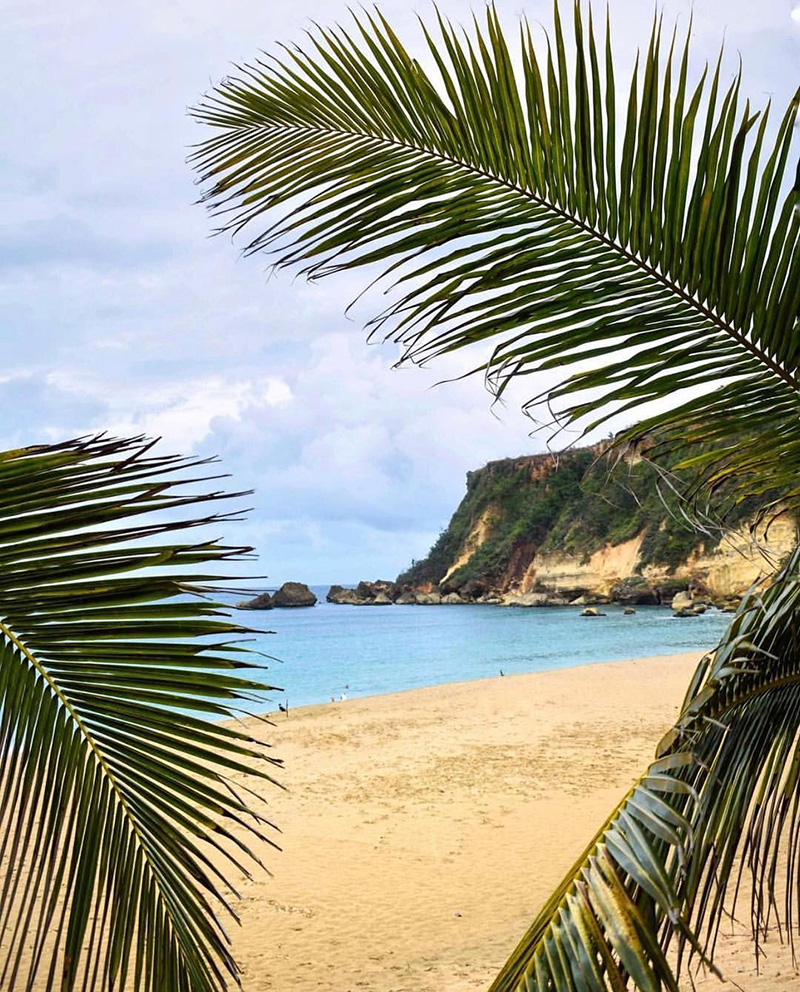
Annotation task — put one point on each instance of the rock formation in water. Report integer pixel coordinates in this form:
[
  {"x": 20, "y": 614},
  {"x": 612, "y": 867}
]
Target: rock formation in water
[
  {"x": 294, "y": 594},
  {"x": 289, "y": 594},
  {"x": 378, "y": 593},
  {"x": 261, "y": 602}
]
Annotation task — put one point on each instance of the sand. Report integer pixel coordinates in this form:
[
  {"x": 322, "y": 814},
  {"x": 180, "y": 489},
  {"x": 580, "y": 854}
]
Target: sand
[{"x": 423, "y": 830}]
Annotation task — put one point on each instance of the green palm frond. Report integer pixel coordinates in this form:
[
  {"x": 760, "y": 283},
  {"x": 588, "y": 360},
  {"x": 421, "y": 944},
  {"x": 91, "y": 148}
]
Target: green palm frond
[
  {"x": 116, "y": 810},
  {"x": 722, "y": 795},
  {"x": 636, "y": 255}
]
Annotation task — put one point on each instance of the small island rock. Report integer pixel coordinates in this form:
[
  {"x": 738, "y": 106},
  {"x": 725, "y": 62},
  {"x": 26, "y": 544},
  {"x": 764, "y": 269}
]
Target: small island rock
[
  {"x": 340, "y": 595},
  {"x": 262, "y": 602},
  {"x": 591, "y": 611},
  {"x": 682, "y": 601},
  {"x": 378, "y": 593},
  {"x": 294, "y": 594}
]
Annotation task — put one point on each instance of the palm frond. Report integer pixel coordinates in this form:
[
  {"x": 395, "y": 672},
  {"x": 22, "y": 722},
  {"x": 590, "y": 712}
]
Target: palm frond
[
  {"x": 115, "y": 807},
  {"x": 505, "y": 202},
  {"x": 722, "y": 797}
]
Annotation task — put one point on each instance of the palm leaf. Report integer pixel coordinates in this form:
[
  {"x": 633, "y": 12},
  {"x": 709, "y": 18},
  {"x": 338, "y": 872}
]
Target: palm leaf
[
  {"x": 723, "y": 791},
  {"x": 504, "y": 203},
  {"x": 115, "y": 805}
]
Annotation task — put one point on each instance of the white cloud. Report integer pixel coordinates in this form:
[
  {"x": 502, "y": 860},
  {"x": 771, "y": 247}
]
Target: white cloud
[
  {"x": 181, "y": 413},
  {"x": 120, "y": 312}
]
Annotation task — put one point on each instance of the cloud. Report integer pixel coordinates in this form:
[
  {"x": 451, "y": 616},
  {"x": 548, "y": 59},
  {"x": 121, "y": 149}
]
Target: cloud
[
  {"x": 181, "y": 412},
  {"x": 120, "y": 312}
]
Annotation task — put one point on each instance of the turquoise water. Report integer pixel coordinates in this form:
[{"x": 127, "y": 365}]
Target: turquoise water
[{"x": 330, "y": 650}]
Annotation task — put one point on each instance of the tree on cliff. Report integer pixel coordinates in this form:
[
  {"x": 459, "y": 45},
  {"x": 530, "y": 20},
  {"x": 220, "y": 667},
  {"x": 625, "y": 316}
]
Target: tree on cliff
[{"x": 640, "y": 253}]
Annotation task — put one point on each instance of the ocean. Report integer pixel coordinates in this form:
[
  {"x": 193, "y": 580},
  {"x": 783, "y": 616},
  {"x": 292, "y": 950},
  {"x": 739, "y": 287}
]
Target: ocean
[{"x": 329, "y": 651}]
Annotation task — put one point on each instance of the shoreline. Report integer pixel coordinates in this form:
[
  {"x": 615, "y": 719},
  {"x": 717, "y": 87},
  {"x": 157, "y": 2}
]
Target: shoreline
[
  {"x": 330, "y": 651},
  {"x": 489, "y": 680},
  {"x": 423, "y": 829}
]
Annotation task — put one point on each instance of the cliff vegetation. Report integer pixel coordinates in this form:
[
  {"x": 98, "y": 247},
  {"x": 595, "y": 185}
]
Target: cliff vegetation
[{"x": 538, "y": 509}]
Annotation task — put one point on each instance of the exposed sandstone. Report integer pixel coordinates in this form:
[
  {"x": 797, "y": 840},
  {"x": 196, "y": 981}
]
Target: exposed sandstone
[{"x": 682, "y": 601}]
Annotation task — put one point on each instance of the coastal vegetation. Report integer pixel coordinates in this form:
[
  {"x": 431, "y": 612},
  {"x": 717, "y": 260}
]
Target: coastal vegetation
[
  {"x": 573, "y": 504},
  {"x": 639, "y": 242},
  {"x": 115, "y": 658}
]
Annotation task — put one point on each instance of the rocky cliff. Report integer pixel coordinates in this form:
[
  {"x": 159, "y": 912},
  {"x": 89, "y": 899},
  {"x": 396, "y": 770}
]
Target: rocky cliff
[{"x": 552, "y": 529}]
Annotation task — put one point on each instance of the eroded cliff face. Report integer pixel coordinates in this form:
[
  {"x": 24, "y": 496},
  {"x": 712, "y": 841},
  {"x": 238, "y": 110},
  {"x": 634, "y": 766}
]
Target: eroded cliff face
[
  {"x": 476, "y": 538},
  {"x": 557, "y": 529},
  {"x": 564, "y": 573},
  {"x": 725, "y": 572}
]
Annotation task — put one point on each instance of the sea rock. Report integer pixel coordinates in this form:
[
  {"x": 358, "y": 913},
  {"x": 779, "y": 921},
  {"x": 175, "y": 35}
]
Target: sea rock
[
  {"x": 261, "y": 602},
  {"x": 452, "y": 599},
  {"x": 365, "y": 590},
  {"x": 699, "y": 609},
  {"x": 294, "y": 594},
  {"x": 340, "y": 595},
  {"x": 634, "y": 590},
  {"x": 526, "y": 599},
  {"x": 378, "y": 593},
  {"x": 428, "y": 598},
  {"x": 591, "y": 611},
  {"x": 628, "y": 611},
  {"x": 682, "y": 601},
  {"x": 406, "y": 599},
  {"x": 685, "y": 611}
]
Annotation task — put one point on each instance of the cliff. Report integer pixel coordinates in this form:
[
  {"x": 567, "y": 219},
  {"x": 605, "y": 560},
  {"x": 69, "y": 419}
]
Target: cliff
[{"x": 544, "y": 528}]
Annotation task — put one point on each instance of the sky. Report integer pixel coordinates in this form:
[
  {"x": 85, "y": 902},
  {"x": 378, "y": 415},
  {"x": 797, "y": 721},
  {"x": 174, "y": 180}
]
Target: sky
[{"x": 119, "y": 311}]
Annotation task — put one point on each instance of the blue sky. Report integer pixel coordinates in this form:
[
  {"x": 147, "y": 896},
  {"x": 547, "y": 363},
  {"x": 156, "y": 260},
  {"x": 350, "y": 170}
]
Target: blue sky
[{"x": 120, "y": 312}]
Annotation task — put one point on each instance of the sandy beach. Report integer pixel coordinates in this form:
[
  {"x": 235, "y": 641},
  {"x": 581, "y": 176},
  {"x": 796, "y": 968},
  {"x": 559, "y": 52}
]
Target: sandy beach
[{"x": 423, "y": 830}]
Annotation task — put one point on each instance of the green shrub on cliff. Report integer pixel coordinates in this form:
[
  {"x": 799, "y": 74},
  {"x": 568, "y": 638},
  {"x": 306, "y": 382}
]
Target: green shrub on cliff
[{"x": 575, "y": 504}]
